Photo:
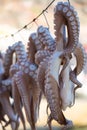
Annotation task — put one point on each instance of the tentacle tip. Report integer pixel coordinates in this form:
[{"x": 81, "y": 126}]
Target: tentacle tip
[
  {"x": 68, "y": 125},
  {"x": 62, "y": 55}
]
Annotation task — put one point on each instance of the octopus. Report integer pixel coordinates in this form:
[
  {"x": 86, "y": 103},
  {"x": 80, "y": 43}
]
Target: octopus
[
  {"x": 5, "y": 104},
  {"x": 24, "y": 86},
  {"x": 59, "y": 85},
  {"x": 44, "y": 68}
]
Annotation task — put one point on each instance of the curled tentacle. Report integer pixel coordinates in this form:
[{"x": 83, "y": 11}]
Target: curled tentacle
[
  {"x": 45, "y": 37},
  {"x": 81, "y": 58},
  {"x": 8, "y": 59},
  {"x": 53, "y": 99},
  {"x": 32, "y": 46},
  {"x": 20, "y": 51},
  {"x": 52, "y": 88},
  {"x": 41, "y": 55},
  {"x": 22, "y": 61},
  {"x": 48, "y": 43},
  {"x": 64, "y": 14},
  {"x": 74, "y": 79}
]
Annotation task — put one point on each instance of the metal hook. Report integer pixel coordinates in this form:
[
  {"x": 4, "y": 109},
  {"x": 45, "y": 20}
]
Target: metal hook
[{"x": 46, "y": 20}]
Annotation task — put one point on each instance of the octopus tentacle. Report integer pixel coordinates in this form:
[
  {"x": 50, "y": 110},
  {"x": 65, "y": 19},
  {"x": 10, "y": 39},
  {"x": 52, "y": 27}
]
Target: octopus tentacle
[
  {"x": 45, "y": 38},
  {"x": 53, "y": 98},
  {"x": 8, "y": 59},
  {"x": 81, "y": 57},
  {"x": 36, "y": 99},
  {"x": 22, "y": 90},
  {"x": 66, "y": 60},
  {"x": 2, "y": 118},
  {"x": 49, "y": 122},
  {"x": 23, "y": 79},
  {"x": 26, "y": 95},
  {"x": 41, "y": 55},
  {"x": 5, "y": 91},
  {"x": 74, "y": 79},
  {"x": 64, "y": 14},
  {"x": 23, "y": 62},
  {"x": 19, "y": 49},
  {"x": 31, "y": 48},
  {"x": 47, "y": 41},
  {"x": 17, "y": 102},
  {"x": 41, "y": 73},
  {"x": 13, "y": 69},
  {"x": 8, "y": 109},
  {"x": 52, "y": 90},
  {"x": 7, "y": 83}
]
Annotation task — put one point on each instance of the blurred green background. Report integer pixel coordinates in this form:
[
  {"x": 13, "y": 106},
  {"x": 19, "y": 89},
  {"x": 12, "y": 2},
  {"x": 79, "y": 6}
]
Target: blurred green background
[{"x": 14, "y": 14}]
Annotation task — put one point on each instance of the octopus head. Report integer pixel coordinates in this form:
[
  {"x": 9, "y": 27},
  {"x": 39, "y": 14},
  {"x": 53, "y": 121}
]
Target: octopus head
[{"x": 67, "y": 96}]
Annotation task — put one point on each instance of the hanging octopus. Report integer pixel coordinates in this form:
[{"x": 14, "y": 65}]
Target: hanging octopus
[
  {"x": 45, "y": 68},
  {"x": 5, "y": 104},
  {"x": 42, "y": 57},
  {"x": 49, "y": 68},
  {"x": 43, "y": 60},
  {"x": 25, "y": 86},
  {"x": 21, "y": 72}
]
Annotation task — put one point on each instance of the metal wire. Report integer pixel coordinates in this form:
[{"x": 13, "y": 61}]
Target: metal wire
[
  {"x": 69, "y": 2},
  {"x": 34, "y": 20}
]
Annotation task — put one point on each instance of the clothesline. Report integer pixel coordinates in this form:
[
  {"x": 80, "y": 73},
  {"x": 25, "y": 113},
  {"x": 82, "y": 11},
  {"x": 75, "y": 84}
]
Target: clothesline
[{"x": 32, "y": 21}]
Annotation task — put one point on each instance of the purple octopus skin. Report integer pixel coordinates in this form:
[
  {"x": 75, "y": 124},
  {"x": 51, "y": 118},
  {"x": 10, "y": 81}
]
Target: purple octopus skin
[
  {"x": 41, "y": 66},
  {"x": 25, "y": 74},
  {"x": 23, "y": 68},
  {"x": 5, "y": 89},
  {"x": 45, "y": 53},
  {"x": 4, "y": 100}
]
